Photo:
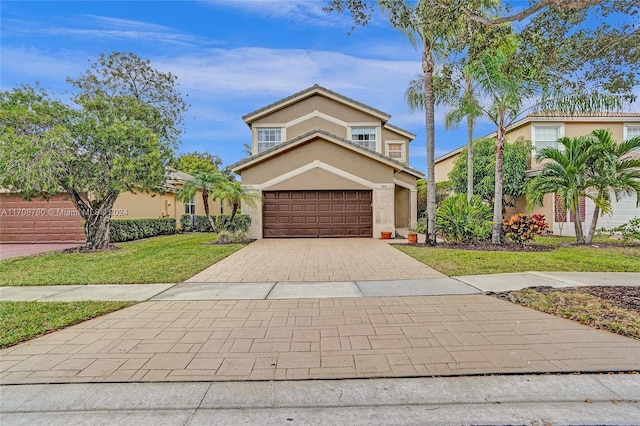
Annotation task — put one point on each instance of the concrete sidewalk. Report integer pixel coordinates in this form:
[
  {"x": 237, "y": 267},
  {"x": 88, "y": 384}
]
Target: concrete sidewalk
[
  {"x": 534, "y": 400},
  {"x": 436, "y": 286}
]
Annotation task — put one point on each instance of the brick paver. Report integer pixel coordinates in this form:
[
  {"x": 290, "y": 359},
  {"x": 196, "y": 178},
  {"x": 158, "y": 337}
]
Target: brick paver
[
  {"x": 308, "y": 259},
  {"x": 316, "y": 339}
]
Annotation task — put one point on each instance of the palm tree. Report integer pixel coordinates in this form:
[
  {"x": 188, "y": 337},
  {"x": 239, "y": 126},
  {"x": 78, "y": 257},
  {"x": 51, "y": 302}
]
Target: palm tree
[
  {"x": 614, "y": 168},
  {"x": 204, "y": 182},
  {"x": 507, "y": 84},
  {"x": 234, "y": 193},
  {"x": 461, "y": 96},
  {"x": 565, "y": 174}
]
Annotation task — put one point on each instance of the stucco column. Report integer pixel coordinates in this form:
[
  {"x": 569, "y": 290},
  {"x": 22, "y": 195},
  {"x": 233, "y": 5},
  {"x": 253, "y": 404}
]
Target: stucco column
[
  {"x": 383, "y": 209},
  {"x": 413, "y": 201},
  {"x": 255, "y": 229}
]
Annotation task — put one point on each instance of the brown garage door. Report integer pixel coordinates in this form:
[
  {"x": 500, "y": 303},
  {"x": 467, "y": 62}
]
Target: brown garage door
[
  {"x": 39, "y": 221},
  {"x": 315, "y": 214}
]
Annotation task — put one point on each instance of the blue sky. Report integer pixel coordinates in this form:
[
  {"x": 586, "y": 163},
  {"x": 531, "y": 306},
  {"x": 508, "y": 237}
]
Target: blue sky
[{"x": 231, "y": 58}]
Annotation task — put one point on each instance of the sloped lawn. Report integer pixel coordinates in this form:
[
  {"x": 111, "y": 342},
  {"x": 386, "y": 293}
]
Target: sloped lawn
[{"x": 166, "y": 259}]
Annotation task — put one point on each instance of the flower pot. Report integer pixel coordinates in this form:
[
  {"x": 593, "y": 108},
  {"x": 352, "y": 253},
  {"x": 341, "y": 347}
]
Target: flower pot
[
  {"x": 385, "y": 235},
  {"x": 413, "y": 238}
]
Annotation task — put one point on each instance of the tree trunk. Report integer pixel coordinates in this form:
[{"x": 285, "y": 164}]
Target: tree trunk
[
  {"x": 429, "y": 106},
  {"x": 594, "y": 223},
  {"x": 469, "y": 157},
  {"x": 577, "y": 224},
  {"x": 205, "y": 200},
  {"x": 497, "y": 201},
  {"x": 97, "y": 217},
  {"x": 234, "y": 210}
]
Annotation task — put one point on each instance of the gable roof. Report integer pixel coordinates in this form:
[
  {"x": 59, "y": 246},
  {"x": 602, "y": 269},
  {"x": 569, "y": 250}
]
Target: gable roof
[
  {"x": 264, "y": 155},
  {"x": 309, "y": 92},
  {"x": 403, "y": 132}
]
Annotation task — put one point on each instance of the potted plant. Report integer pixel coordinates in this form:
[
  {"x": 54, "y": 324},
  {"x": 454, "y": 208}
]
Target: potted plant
[
  {"x": 412, "y": 236},
  {"x": 385, "y": 235}
]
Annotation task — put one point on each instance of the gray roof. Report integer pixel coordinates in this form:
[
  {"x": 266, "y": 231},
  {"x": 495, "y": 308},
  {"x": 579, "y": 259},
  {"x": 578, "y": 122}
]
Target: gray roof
[
  {"x": 330, "y": 135},
  {"x": 311, "y": 90}
]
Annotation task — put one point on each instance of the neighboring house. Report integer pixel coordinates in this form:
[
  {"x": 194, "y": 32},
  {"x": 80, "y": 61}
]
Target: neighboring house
[
  {"x": 58, "y": 221},
  {"x": 543, "y": 130},
  {"x": 327, "y": 166}
]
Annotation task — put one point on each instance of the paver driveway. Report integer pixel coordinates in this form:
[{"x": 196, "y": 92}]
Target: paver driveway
[{"x": 335, "y": 259}]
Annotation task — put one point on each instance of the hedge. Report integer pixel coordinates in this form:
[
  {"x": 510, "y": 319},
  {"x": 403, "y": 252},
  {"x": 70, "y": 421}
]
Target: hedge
[
  {"x": 223, "y": 222},
  {"x": 134, "y": 229}
]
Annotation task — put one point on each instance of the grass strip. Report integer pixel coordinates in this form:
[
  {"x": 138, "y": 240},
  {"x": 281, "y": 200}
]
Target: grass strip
[
  {"x": 166, "y": 259},
  {"x": 20, "y": 321}
]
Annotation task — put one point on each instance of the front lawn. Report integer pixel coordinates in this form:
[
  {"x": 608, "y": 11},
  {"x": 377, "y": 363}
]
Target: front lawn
[
  {"x": 25, "y": 320},
  {"x": 167, "y": 259},
  {"x": 560, "y": 257}
]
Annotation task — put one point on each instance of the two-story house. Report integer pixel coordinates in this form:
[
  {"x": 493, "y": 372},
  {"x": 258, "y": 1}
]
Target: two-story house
[
  {"x": 544, "y": 129},
  {"x": 327, "y": 166}
]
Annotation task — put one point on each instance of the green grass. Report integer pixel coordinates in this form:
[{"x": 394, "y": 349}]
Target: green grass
[
  {"x": 455, "y": 262},
  {"x": 21, "y": 321},
  {"x": 166, "y": 259}
]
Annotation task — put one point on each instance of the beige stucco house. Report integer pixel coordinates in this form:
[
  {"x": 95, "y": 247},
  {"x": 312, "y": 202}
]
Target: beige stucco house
[
  {"x": 327, "y": 166},
  {"x": 544, "y": 129},
  {"x": 58, "y": 221}
]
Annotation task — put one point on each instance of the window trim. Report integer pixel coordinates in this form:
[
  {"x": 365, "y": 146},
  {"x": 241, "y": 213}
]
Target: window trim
[
  {"x": 403, "y": 150},
  {"x": 190, "y": 203},
  {"x": 374, "y": 126},
  {"x": 534, "y": 126},
  {"x": 283, "y": 135},
  {"x": 625, "y": 129}
]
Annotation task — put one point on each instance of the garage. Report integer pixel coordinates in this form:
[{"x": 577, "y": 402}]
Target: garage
[
  {"x": 317, "y": 214},
  {"x": 39, "y": 221}
]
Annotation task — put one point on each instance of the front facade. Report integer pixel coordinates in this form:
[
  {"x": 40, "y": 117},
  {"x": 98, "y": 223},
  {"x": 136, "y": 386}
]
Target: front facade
[
  {"x": 327, "y": 166},
  {"x": 544, "y": 130},
  {"x": 58, "y": 221}
]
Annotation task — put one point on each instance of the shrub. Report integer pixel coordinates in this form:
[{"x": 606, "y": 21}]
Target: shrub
[
  {"x": 122, "y": 230},
  {"x": 627, "y": 231},
  {"x": 223, "y": 222},
  {"x": 462, "y": 221},
  {"x": 233, "y": 237},
  {"x": 521, "y": 228}
]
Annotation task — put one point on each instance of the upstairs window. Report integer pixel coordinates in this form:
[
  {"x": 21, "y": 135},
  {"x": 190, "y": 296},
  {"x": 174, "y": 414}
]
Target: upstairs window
[
  {"x": 268, "y": 138},
  {"x": 395, "y": 151},
  {"x": 631, "y": 131},
  {"x": 365, "y": 136},
  {"x": 546, "y": 137}
]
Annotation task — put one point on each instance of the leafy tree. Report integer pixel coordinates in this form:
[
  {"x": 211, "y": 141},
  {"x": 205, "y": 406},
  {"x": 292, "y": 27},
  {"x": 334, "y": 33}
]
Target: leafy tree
[
  {"x": 206, "y": 183},
  {"x": 516, "y": 163},
  {"x": 565, "y": 173},
  {"x": 613, "y": 168},
  {"x": 119, "y": 137},
  {"x": 234, "y": 193},
  {"x": 194, "y": 162}
]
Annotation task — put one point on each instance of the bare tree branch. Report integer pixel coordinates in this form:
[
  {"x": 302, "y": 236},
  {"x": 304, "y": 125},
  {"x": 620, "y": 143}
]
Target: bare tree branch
[{"x": 561, "y": 4}]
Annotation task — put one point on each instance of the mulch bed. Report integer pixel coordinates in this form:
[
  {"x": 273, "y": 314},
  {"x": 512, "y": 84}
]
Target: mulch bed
[
  {"x": 487, "y": 246},
  {"x": 85, "y": 249}
]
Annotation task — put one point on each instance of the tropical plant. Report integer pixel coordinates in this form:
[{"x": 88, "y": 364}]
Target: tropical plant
[
  {"x": 521, "y": 228},
  {"x": 564, "y": 172},
  {"x": 464, "y": 221},
  {"x": 235, "y": 194},
  {"x": 203, "y": 182},
  {"x": 614, "y": 168}
]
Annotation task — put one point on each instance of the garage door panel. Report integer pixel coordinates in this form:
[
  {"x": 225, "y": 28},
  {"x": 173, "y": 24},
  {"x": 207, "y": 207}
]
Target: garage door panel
[
  {"x": 317, "y": 214},
  {"x": 39, "y": 221}
]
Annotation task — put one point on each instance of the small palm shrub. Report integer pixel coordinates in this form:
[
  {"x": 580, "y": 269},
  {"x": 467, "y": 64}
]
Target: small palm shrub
[
  {"x": 460, "y": 221},
  {"x": 521, "y": 228}
]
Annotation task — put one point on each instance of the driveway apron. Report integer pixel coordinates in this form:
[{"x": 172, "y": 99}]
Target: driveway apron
[{"x": 314, "y": 260}]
